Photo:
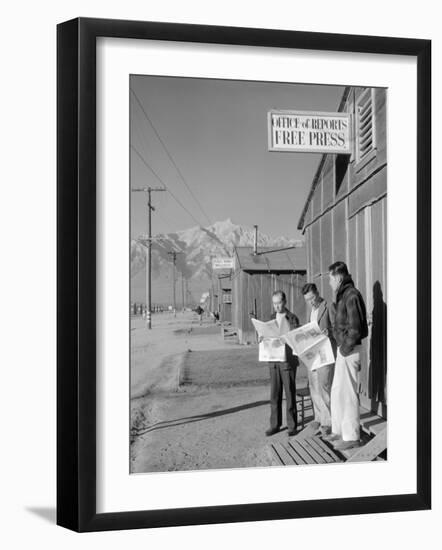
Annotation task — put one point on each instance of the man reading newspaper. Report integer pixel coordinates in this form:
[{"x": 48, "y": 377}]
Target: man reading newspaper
[
  {"x": 320, "y": 380},
  {"x": 282, "y": 363}
]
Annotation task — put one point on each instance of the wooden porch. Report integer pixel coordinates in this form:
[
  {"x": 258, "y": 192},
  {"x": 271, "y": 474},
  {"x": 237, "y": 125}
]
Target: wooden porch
[{"x": 307, "y": 448}]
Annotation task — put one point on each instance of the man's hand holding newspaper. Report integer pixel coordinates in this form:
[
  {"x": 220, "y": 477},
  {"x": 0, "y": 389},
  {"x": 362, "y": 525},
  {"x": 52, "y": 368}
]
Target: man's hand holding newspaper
[
  {"x": 308, "y": 342},
  {"x": 271, "y": 344},
  {"x": 311, "y": 345}
]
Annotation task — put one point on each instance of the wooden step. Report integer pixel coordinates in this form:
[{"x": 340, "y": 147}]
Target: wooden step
[
  {"x": 283, "y": 456},
  {"x": 371, "y": 423},
  {"x": 372, "y": 449},
  {"x": 307, "y": 448},
  {"x": 304, "y": 450}
]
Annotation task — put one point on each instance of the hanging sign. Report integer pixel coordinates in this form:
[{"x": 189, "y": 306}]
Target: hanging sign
[
  {"x": 309, "y": 132},
  {"x": 223, "y": 263}
]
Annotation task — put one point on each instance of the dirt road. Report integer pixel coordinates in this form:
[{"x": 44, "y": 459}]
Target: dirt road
[{"x": 197, "y": 402}]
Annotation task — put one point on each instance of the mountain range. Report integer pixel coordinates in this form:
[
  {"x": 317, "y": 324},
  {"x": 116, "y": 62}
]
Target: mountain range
[{"x": 195, "y": 248}]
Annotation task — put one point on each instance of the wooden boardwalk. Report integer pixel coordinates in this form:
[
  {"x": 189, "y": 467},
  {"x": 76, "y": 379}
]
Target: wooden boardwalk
[{"x": 307, "y": 448}]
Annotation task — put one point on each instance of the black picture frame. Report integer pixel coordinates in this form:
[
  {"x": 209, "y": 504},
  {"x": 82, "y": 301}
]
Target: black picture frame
[{"x": 76, "y": 273}]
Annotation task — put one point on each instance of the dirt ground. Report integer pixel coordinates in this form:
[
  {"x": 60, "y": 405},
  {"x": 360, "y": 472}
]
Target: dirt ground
[{"x": 197, "y": 402}]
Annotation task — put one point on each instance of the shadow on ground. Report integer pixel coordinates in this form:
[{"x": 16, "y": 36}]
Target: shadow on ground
[{"x": 200, "y": 417}]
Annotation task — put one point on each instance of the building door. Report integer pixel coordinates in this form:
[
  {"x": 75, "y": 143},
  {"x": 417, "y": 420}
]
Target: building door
[{"x": 227, "y": 306}]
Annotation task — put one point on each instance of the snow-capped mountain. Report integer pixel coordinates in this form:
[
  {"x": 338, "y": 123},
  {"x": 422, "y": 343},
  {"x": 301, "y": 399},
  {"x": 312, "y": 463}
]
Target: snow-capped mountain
[{"x": 195, "y": 249}]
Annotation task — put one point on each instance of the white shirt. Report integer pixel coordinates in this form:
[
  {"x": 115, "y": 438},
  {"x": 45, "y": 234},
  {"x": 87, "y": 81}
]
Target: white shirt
[
  {"x": 314, "y": 315},
  {"x": 282, "y": 323},
  {"x": 283, "y": 326}
]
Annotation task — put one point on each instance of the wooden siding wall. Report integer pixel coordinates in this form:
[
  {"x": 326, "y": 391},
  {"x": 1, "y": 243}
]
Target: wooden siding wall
[
  {"x": 346, "y": 220},
  {"x": 252, "y": 292},
  {"x": 216, "y": 303},
  {"x": 225, "y": 314}
]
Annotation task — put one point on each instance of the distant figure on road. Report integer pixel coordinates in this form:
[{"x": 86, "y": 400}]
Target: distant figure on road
[
  {"x": 283, "y": 374},
  {"x": 320, "y": 380},
  {"x": 199, "y": 310}
]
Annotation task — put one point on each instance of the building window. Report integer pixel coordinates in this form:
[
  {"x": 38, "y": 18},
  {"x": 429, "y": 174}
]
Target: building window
[
  {"x": 227, "y": 298},
  {"x": 341, "y": 169},
  {"x": 365, "y": 130}
]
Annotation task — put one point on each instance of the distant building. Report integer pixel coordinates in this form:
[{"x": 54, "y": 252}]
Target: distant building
[
  {"x": 221, "y": 296},
  {"x": 344, "y": 218},
  {"x": 256, "y": 277}
]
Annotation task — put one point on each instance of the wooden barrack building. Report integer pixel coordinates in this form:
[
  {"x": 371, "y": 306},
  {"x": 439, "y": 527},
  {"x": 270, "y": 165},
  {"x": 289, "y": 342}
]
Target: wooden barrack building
[
  {"x": 344, "y": 218},
  {"x": 256, "y": 277}
]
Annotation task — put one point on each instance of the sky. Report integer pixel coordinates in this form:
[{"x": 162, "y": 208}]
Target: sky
[{"x": 215, "y": 132}]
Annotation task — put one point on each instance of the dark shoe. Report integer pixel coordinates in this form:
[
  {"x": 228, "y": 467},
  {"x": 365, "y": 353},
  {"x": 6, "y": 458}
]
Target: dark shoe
[
  {"x": 291, "y": 433},
  {"x": 331, "y": 437},
  {"x": 272, "y": 431},
  {"x": 345, "y": 445},
  {"x": 325, "y": 430}
]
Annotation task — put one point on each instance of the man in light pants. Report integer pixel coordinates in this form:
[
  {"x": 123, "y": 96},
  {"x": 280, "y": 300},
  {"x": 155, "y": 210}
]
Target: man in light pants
[
  {"x": 350, "y": 327},
  {"x": 320, "y": 380}
]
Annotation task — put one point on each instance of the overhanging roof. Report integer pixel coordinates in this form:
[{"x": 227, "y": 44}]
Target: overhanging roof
[{"x": 319, "y": 169}]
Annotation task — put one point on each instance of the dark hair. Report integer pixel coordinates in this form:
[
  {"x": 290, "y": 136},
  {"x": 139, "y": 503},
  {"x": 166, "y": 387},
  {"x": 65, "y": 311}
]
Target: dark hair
[
  {"x": 281, "y": 294},
  {"x": 339, "y": 268},
  {"x": 309, "y": 287}
]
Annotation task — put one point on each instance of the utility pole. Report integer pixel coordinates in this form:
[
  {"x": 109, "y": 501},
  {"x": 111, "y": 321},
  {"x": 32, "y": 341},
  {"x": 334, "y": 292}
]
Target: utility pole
[
  {"x": 255, "y": 241},
  {"x": 150, "y": 209},
  {"x": 174, "y": 254},
  {"x": 182, "y": 290}
]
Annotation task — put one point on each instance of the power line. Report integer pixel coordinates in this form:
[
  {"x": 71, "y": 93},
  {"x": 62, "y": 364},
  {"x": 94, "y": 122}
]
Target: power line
[
  {"x": 147, "y": 165},
  {"x": 166, "y": 221},
  {"x": 162, "y": 182},
  {"x": 170, "y": 157},
  {"x": 143, "y": 143}
]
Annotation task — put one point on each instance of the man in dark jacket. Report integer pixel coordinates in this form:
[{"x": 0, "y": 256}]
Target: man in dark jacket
[
  {"x": 283, "y": 374},
  {"x": 349, "y": 328}
]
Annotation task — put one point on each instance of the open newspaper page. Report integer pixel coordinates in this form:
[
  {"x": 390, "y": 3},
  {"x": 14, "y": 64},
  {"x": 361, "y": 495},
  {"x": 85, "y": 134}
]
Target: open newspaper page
[
  {"x": 319, "y": 355},
  {"x": 311, "y": 345},
  {"x": 303, "y": 338},
  {"x": 267, "y": 329},
  {"x": 272, "y": 350},
  {"x": 272, "y": 347}
]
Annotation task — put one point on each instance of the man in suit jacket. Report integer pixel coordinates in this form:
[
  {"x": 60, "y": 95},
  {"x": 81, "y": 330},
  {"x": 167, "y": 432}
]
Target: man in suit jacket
[
  {"x": 283, "y": 374},
  {"x": 320, "y": 380}
]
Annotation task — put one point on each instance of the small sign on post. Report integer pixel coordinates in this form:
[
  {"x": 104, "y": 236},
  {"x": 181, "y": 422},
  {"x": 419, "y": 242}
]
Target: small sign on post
[
  {"x": 309, "y": 132},
  {"x": 223, "y": 263}
]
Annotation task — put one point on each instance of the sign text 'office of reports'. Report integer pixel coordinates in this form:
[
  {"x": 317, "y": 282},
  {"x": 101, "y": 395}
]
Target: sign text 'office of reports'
[{"x": 309, "y": 132}]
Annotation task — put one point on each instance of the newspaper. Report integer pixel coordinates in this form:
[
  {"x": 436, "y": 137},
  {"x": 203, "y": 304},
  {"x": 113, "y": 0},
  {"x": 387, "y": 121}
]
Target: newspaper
[
  {"x": 311, "y": 345},
  {"x": 272, "y": 350},
  {"x": 266, "y": 330},
  {"x": 271, "y": 346}
]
